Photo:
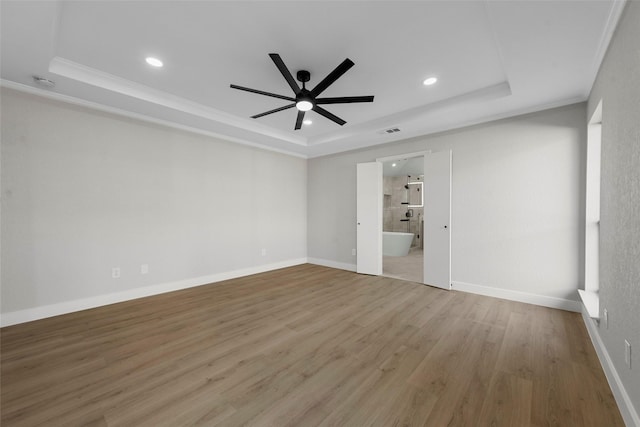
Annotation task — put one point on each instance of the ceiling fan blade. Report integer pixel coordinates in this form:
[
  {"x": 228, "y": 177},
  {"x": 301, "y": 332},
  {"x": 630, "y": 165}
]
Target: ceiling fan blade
[
  {"x": 273, "y": 111},
  {"x": 328, "y": 115},
  {"x": 261, "y": 92},
  {"x": 285, "y": 72},
  {"x": 332, "y": 77},
  {"x": 344, "y": 99},
  {"x": 299, "y": 120}
]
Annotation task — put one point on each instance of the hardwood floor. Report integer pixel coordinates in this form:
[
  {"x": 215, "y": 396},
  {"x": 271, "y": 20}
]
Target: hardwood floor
[{"x": 306, "y": 346}]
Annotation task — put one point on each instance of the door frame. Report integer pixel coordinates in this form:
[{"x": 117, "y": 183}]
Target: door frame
[
  {"x": 382, "y": 160},
  {"x": 403, "y": 156}
]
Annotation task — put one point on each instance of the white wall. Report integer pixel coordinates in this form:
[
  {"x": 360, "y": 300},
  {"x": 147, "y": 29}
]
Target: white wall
[
  {"x": 618, "y": 86},
  {"x": 517, "y": 204},
  {"x": 84, "y": 191}
]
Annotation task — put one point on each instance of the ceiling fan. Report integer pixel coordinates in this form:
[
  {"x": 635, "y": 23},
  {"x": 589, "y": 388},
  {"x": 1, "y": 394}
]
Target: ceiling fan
[{"x": 306, "y": 99}]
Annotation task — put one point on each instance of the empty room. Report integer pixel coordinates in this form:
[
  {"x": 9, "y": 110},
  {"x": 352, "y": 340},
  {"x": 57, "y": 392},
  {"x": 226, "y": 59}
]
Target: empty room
[{"x": 320, "y": 213}]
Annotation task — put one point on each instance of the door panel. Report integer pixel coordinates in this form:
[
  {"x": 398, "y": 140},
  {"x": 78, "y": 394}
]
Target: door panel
[
  {"x": 369, "y": 218},
  {"x": 437, "y": 219}
]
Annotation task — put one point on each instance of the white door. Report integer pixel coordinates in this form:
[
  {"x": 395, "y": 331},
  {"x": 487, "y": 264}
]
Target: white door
[
  {"x": 437, "y": 219},
  {"x": 369, "y": 218}
]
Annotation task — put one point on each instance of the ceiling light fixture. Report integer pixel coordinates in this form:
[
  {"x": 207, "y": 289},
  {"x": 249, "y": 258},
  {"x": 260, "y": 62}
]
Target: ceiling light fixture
[
  {"x": 154, "y": 62},
  {"x": 304, "y": 104},
  {"x": 430, "y": 81},
  {"x": 307, "y": 122},
  {"x": 393, "y": 165}
]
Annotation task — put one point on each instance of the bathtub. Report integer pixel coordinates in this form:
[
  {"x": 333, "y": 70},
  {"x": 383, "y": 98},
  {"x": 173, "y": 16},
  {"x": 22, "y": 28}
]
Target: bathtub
[{"x": 396, "y": 244}]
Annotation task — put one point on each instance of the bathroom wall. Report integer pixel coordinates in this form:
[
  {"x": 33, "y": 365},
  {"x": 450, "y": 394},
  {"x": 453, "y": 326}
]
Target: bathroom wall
[{"x": 395, "y": 194}]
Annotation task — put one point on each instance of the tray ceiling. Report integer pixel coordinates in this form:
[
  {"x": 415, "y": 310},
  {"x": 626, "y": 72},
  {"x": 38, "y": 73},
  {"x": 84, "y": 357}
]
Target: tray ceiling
[{"x": 492, "y": 59}]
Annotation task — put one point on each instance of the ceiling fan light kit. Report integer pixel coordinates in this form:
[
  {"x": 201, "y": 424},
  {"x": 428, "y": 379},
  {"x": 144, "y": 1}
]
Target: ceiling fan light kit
[
  {"x": 305, "y": 99},
  {"x": 304, "y": 104}
]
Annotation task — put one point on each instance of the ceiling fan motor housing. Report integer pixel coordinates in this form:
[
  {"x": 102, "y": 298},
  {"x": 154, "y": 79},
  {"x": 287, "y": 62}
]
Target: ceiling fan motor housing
[
  {"x": 304, "y": 95},
  {"x": 303, "y": 76}
]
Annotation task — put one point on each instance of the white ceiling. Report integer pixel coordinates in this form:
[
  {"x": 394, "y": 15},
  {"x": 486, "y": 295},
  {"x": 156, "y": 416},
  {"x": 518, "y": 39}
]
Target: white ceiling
[
  {"x": 412, "y": 166},
  {"x": 493, "y": 59}
]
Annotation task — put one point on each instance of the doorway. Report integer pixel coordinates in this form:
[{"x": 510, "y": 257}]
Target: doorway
[
  {"x": 434, "y": 227},
  {"x": 403, "y": 218}
]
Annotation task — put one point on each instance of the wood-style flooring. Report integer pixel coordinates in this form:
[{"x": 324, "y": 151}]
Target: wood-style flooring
[{"x": 306, "y": 346}]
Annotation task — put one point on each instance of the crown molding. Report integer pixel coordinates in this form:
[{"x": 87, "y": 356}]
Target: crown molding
[
  {"x": 91, "y": 76},
  {"x": 137, "y": 116},
  {"x": 609, "y": 30}
]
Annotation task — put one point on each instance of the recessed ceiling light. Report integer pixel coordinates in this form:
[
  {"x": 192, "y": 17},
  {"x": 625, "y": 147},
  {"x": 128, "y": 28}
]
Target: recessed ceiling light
[
  {"x": 429, "y": 81},
  {"x": 307, "y": 122},
  {"x": 154, "y": 62},
  {"x": 393, "y": 165}
]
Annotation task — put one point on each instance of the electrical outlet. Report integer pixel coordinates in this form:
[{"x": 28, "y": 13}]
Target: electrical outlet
[
  {"x": 606, "y": 318},
  {"x": 264, "y": 252},
  {"x": 353, "y": 251},
  {"x": 115, "y": 272},
  {"x": 627, "y": 353},
  {"x": 144, "y": 269}
]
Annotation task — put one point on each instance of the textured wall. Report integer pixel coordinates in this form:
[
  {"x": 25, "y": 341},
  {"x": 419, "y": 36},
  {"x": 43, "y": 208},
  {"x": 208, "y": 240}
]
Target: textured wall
[{"x": 618, "y": 85}]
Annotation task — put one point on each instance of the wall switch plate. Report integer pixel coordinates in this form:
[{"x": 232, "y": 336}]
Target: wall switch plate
[
  {"x": 353, "y": 251},
  {"x": 627, "y": 353},
  {"x": 115, "y": 272},
  {"x": 605, "y": 314},
  {"x": 144, "y": 269},
  {"x": 264, "y": 252}
]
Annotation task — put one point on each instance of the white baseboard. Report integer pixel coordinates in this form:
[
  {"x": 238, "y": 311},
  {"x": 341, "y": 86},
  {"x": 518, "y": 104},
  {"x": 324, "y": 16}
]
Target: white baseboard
[
  {"x": 536, "y": 299},
  {"x": 332, "y": 264},
  {"x": 627, "y": 410},
  {"x": 30, "y": 314}
]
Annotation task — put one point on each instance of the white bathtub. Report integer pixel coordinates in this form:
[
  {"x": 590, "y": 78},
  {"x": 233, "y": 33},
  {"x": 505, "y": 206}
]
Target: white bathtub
[{"x": 396, "y": 244}]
